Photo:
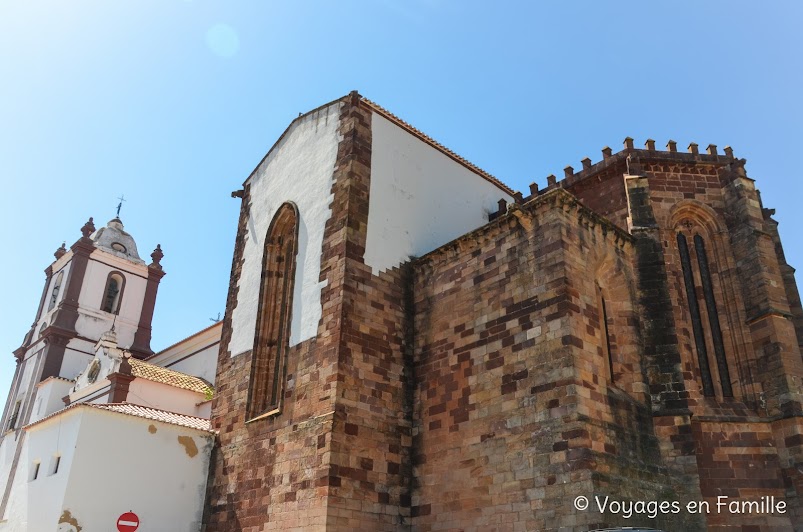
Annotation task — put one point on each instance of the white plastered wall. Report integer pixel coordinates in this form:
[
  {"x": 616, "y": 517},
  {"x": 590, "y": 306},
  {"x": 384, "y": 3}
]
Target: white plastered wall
[
  {"x": 149, "y": 463},
  {"x": 202, "y": 363},
  {"x": 420, "y": 198},
  {"x": 76, "y": 357},
  {"x": 35, "y": 504},
  {"x": 7, "y": 450},
  {"x": 196, "y": 355},
  {"x": 49, "y": 396},
  {"x": 157, "y": 395},
  {"x": 96, "y": 446},
  {"x": 15, "y": 518},
  {"x": 10, "y": 439},
  {"x": 298, "y": 169}
]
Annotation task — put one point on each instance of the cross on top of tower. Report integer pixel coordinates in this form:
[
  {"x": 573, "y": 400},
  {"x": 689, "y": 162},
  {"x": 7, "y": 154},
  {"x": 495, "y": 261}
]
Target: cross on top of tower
[{"x": 120, "y": 205}]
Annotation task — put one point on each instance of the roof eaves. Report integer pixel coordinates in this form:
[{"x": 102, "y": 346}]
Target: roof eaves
[
  {"x": 54, "y": 414},
  {"x": 106, "y": 407},
  {"x": 373, "y": 106},
  {"x": 146, "y": 412}
]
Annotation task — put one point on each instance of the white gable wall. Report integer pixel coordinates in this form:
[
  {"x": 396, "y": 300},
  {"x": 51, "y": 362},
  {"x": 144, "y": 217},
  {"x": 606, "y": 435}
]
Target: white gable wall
[
  {"x": 298, "y": 169},
  {"x": 164, "y": 397},
  {"x": 202, "y": 363},
  {"x": 196, "y": 355},
  {"x": 420, "y": 198}
]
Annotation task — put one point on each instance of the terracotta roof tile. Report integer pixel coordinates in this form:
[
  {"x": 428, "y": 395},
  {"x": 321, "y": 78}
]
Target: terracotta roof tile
[
  {"x": 156, "y": 415},
  {"x": 152, "y": 372},
  {"x": 144, "y": 412},
  {"x": 55, "y": 378}
]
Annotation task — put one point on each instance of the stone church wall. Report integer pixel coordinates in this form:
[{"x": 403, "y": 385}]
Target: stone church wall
[
  {"x": 546, "y": 355},
  {"x": 516, "y": 411}
]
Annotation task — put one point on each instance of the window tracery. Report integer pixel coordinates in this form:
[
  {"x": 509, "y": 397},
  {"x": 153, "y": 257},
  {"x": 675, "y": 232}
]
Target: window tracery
[{"x": 271, "y": 342}]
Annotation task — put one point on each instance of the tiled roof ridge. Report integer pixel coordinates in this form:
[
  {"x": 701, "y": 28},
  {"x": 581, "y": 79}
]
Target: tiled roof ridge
[
  {"x": 149, "y": 412},
  {"x": 153, "y": 372},
  {"x": 57, "y": 378},
  {"x": 435, "y": 144}
]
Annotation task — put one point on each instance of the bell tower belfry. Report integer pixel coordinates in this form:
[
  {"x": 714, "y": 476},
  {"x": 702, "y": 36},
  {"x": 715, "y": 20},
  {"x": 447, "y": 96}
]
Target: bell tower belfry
[{"x": 99, "y": 283}]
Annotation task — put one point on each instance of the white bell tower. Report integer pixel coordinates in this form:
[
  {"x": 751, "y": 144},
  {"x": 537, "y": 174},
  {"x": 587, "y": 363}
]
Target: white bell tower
[{"x": 99, "y": 283}]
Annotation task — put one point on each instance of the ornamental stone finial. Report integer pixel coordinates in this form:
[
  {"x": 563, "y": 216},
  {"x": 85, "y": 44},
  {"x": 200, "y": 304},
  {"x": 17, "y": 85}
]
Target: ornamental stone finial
[
  {"x": 88, "y": 228},
  {"x": 61, "y": 251},
  {"x": 157, "y": 257}
]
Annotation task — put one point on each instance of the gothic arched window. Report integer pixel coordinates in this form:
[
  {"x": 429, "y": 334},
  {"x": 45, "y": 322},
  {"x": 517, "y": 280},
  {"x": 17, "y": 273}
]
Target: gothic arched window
[
  {"x": 706, "y": 331},
  {"x": 272, "y": 338},
  {"x": 112, "y": 294}
]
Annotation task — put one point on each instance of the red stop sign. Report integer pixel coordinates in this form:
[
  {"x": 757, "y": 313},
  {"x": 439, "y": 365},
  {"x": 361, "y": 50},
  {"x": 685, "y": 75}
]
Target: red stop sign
[{"x": 128, "y": 522}]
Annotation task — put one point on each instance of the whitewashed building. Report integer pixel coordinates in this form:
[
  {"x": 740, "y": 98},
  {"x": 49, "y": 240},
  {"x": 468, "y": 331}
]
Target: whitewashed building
[{"x": 95, "y": 420}]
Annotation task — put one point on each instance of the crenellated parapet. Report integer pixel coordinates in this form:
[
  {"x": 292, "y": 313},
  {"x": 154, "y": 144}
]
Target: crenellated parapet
[{"x": 632, "y": 159}]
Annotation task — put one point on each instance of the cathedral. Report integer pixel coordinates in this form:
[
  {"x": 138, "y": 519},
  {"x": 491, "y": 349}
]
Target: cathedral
[{"x": 410, "y": 344}]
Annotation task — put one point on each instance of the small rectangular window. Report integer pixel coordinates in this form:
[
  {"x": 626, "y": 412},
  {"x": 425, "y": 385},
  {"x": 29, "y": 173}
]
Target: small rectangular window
[
  {"x": 56, "y": 462},
  {"x": 35, "y": 470}
]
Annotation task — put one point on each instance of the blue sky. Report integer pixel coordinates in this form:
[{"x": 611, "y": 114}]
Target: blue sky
[{"x": 173, "y": 103}]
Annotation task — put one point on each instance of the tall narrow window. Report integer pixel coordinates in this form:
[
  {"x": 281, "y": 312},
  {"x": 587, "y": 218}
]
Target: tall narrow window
[
  {"x": 113, "y": 293},
  {"x": 603, "y": 318},
  {"x": 54, "y": 294},
  {"x": 271, "y": 340},
  {"x": 713, "y": 317},
  {"x": 696, "y": 320}
]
